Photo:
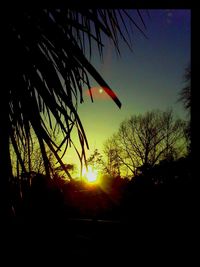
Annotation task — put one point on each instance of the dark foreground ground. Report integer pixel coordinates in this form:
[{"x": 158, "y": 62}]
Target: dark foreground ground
[
  {"x": 145, "y": 230},
  {"x": 148, "y": 239}
]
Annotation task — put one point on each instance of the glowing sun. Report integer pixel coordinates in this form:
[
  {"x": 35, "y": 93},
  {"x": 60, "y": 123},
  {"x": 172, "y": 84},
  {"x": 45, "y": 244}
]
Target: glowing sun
[{"x": 90, "y": 174}]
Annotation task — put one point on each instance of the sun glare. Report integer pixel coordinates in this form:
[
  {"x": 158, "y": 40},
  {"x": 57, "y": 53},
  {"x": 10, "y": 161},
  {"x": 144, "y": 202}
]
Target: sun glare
[{"x": 90, "y": 174}]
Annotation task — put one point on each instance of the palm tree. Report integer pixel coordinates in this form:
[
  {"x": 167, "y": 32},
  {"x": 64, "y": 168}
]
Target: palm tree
[{"x": 46, "y": 68}]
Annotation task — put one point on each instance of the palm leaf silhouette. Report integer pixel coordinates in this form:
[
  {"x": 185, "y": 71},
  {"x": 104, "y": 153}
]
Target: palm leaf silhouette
[{"x": 48, "y": 67}]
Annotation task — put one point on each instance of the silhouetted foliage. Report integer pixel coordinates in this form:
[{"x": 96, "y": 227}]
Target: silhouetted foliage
[
  {"x": 112, "y": 162},
  {"x": 186, "y": 99},
  {"x": 36, "y": 197},
  {"x": 47, "y": 67},
  {"x": 144, "y": 140},
  {"x": 185, "y": 94}
]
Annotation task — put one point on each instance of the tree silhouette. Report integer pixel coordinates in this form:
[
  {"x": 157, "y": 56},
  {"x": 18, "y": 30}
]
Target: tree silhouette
[
  {"x": 185, "y": 98},
  {"x": 112, "y": 164},
  {"x": 144, "y": 140},
  {"x": 185, "y": 94},
  {"x": 46, "y": 67},
  {"x": 95, "y": 160}
]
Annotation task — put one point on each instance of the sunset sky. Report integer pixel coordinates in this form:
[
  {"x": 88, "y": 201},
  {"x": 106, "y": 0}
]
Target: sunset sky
[{"x": 148, "y": 78}]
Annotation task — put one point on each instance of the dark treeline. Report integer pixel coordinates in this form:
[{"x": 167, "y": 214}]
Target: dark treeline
[{"x": 162, "y": 187}]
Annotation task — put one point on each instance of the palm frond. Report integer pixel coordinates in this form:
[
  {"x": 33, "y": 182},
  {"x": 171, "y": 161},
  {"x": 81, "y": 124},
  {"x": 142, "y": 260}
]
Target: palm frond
[{"x": 49, "y": 67}]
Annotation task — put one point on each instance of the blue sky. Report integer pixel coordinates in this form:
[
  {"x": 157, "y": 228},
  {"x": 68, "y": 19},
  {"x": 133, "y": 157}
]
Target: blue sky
[{"x": 148, "y": 78}]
